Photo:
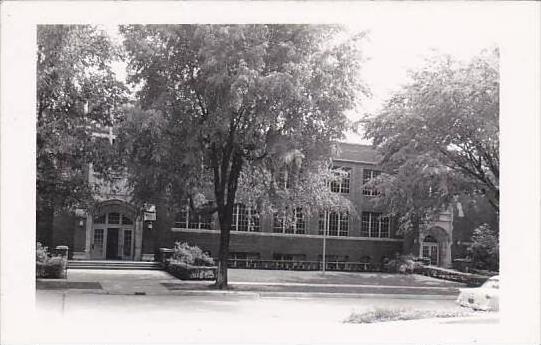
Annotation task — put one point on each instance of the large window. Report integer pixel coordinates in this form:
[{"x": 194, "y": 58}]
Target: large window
[
  {"x": 373, "y": 224},
  {"x": 294, "y": 225},
  {"x": 245, "y": 219},
  {"x": 335, "y": 223},
  {"x": 189, "y": 219},
  {"x": 342, "y": 178},
  {"x": 367, "y": 176}
]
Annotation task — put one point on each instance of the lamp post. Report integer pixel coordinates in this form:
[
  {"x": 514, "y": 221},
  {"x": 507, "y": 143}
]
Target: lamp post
[{"x": 325, "y": 226}]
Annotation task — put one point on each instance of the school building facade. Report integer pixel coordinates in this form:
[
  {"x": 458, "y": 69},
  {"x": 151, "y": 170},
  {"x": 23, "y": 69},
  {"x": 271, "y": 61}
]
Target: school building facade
[{"x": 115, "y": 229}]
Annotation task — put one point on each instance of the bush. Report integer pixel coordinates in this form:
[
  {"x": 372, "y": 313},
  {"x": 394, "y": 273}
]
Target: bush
[
  {"x": 404, "y": 264},
  {"x": 47, "y": 266},
  {"x": 185, "y": 271},
  {"x": 191, "y": 255},
  {"x": 484, "y": 251}
]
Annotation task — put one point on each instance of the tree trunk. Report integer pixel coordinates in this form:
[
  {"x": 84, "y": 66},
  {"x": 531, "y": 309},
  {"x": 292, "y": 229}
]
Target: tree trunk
[{"x": 225, "y": 215}]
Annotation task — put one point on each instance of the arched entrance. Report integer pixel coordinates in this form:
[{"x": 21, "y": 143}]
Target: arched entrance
[
  {"x": 112, "y": 232},
  {"x": 430, "y": 250},
  {"x": 436, "y": 246}
]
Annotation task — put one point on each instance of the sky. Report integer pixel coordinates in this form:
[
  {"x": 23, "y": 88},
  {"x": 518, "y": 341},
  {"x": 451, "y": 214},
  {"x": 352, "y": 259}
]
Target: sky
[{"x": 393, "y": 50}]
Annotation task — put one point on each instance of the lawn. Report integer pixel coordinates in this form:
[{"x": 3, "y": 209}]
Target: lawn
[{"x": 354, "y": 278}]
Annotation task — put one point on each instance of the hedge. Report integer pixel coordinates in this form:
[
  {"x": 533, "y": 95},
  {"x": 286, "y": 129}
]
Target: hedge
[{"x": 186, "y": 271}]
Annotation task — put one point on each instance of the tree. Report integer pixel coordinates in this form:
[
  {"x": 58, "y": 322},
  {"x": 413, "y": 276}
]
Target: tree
[
  {"x": 449, "y": 111},
  {"x": 76, "y": 94},
  {"x": 230, "y": 103},
  {"x": 484, "y": 249},
  {"x": 438, "y": 138}
]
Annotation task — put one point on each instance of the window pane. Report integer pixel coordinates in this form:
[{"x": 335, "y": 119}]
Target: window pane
[
  {"x": 333, "y": 224},
  {"x": 344, "y": 224},
  {"x": 365, "y": 224},
  {"x": 182, "y": 218},
  {"x": 114, "y": 218},
  {"x": 126, "y": 220},
  {"x": 99, "y": 219},
  {"x": 374, "y": 224},
  {"x": 385, "y": 226}
]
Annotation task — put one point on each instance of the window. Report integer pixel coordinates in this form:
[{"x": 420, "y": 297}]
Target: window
[
  {"x": 336, "y": 223},
  {"x": 373, "y": 224},
  {"x": 99, "y": 219},
  {"x": 367, "y": 176},
  {"x": 98, "y": 238},
  {"x": 189, "y": 219},
  {"x": 114, "y": 218},
  {"x": 283, "y": 180},
  {"x": 341, "y": 182},
  {"x": 245, "y": 219},
  {"x": 126, "y": 220},
  {"x": 296, "y": 225},
  {"x": 288, "y": 257}
]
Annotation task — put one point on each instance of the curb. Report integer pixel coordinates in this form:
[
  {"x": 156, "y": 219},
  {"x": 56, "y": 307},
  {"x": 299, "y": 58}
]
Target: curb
[{"x": 255, "y": 294}]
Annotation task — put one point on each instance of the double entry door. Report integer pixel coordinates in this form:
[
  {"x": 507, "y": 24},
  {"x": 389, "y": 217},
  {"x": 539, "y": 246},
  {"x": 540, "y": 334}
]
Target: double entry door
[
  {"x": 112, "y": 243},
  {"x": 431, "y": 250}
]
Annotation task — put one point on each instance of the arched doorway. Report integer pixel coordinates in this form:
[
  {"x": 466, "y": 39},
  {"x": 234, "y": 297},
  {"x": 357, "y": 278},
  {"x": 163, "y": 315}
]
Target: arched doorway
[
  {"x": 436, "y": 246},
  {"x": 112, "y": 232},
  {"x": 430, "y": 250}
]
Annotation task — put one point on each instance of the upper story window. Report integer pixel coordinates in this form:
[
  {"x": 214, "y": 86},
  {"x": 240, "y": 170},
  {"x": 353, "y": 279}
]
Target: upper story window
[
  {"x": 373, "y": 224},
  {"x": 296, "y": 225},
  {"x": 342, "y": 179},
  {"x": 335, "y": 223},
  {"x": 367, "y": 176},
  {"x": 189, "y": 219},
  {"x": 283, "y": 179},
  {"x": 245, "y": 219}
]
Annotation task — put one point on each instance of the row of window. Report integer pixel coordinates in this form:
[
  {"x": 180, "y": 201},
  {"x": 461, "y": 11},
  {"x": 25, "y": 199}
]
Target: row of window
[
  {"x": 246, "y": 219},
  {"x": 343, "y": 177}
]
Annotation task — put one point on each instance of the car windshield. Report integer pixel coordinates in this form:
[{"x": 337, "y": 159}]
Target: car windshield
[{"x": 492, "y": 283}]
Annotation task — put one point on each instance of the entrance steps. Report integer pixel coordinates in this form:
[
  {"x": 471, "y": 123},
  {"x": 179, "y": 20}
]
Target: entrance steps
[{"x": 113, "y": 265}]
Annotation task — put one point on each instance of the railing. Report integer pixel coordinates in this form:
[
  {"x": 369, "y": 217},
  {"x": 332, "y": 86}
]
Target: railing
[{"x": 296, "y": 265}]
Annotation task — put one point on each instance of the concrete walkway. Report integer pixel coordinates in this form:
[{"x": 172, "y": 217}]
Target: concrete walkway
[{"x": 254, "y": 282}]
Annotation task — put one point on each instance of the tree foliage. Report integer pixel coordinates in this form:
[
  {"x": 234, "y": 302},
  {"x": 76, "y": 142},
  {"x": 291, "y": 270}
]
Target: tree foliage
[
  {"x": 233, "y": 106},
  {"x": 76, "y": 94},
  {"x": 484, "y": 250},
  {"x": 438, "y": 137}
]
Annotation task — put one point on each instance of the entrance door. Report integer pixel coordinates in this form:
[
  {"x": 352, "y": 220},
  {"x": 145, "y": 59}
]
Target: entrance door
[
  {"x": 112, "y": 244},
  {"x": 430, "y": 250},
  {"x": 96, "y": 246},
  {"x": 126, "y": 246}
]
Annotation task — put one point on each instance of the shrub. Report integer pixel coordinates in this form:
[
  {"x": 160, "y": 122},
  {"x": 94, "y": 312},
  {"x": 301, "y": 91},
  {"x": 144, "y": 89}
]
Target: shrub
[
  {"x": 484, "y": 251},
  {"x": 192, "y": 255},
  {"x": 185, "y": 271},
  {"x": 404, "y": 264},
  {"x": 41, "y": 253},
  {"x": 47, "y": 266}
]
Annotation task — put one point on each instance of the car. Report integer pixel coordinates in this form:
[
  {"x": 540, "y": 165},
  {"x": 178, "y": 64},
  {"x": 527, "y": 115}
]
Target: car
[{"x": 486, "y": 297}]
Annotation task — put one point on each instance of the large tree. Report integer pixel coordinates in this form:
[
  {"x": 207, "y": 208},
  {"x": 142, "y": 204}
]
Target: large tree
[
  {"x": 76, "y": 94},
  {"x": 234, "y": 102},
  {"x": 438, "y": 139}
]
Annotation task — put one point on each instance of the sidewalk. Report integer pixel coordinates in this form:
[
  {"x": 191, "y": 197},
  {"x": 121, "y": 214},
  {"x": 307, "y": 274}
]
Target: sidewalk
[{"x": 254, "y": 283}]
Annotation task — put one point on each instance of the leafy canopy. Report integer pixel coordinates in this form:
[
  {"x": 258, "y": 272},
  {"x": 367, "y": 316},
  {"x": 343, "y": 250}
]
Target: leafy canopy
[
  {"x": 222, "y": 104},
  {"x": 76, "y": 96},
  {"x": 439, "y": 137}
]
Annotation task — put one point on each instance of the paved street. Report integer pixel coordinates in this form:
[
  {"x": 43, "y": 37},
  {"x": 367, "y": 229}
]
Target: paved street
[{"x": 94, "y": 318}]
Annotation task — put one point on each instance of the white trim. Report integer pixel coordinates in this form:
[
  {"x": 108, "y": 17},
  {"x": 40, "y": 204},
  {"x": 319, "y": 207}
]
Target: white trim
[{"x": 375, "y": 239}]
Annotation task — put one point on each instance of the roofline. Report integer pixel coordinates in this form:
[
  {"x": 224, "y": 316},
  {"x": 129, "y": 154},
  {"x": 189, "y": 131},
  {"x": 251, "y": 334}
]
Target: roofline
[{"x": 353, "y": 161}]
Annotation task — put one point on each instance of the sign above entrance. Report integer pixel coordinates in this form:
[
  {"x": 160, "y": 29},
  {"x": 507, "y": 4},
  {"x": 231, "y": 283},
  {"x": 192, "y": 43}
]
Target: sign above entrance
[{"x": 149, "y": 213}]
